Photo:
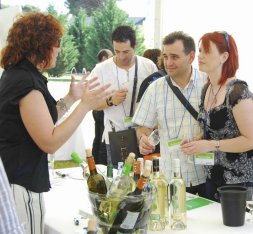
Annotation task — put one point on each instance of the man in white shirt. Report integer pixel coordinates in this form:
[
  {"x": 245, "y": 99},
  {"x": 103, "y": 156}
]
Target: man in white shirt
[
  {"x": 159, "y": 106},
  {"x": 119, "y": 71}
]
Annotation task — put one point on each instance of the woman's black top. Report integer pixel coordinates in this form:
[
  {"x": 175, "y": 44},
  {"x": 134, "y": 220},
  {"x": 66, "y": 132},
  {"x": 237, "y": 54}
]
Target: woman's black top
[
  {"x": 218, "y": 124},
  {"x": 25, "y": 163}
]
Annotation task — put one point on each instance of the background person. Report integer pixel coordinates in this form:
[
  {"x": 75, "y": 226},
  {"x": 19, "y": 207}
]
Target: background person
[
  {"x": 159, "y": 106},
  {"x": 98, "y": 146},
  {"x": 226, "y": 112},
  {"x": 28, "y": 112},
  {"x": 153, "y": 54}
]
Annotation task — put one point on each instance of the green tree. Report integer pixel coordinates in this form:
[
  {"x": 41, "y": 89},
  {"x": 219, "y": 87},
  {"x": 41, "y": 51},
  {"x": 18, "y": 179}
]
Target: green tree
[
  {"x": 104, "y": 21},
  {"x": 28, "y": 8},
  {"x": 88, "y": 5},
  {"x": 79, "y": 32},
  {"x": 68, "y": 57}
]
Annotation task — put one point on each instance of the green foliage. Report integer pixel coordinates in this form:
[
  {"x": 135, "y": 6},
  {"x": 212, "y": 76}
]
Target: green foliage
[
  {"x": 79, "y": 32},
  {"x": 89, "y": 6},
  {"x": 67, "y": 58},
  {"x": 69, "y": 54},
  {"x": 104, "y": 21},
  {"x": 28, "y": 8}
]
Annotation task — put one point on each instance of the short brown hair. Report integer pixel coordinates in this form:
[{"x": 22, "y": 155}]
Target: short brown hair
[{"x": 33, "y": 35}]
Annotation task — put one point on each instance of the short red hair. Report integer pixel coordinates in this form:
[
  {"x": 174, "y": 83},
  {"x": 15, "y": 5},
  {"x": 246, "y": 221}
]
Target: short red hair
[
  {"x": 32, "y": 36},
  {"x": 224, "y": 43}
]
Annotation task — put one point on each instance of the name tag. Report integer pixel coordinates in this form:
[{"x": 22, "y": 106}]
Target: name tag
[
  {"x": 204, "y": 159},
  {"x": 127, "y": 119},
  {"x": 174, "y": 144}
]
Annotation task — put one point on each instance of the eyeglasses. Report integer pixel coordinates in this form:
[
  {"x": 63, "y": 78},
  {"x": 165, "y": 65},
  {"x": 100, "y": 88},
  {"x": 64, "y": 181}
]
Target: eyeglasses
[{"x": 226, "y": 36}]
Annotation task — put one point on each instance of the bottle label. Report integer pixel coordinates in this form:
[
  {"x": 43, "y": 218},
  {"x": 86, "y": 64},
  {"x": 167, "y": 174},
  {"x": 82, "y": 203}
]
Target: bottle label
[
  {"x": 130, "y": 220},
  {"x": 155, "y": 217}
]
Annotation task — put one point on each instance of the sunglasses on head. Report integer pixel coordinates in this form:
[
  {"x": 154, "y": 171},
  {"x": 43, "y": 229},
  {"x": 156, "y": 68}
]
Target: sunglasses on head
[{"x": 226, "y": 36}]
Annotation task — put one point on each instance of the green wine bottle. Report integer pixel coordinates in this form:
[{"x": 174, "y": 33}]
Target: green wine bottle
[{"x": 96, "y": 182}]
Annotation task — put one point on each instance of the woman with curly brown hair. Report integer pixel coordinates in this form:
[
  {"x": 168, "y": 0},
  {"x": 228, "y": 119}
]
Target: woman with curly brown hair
[{"x": 28, "y": 112}]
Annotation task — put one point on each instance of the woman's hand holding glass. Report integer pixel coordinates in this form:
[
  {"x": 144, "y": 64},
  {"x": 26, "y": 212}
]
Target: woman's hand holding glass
[{"x": 187, "y": 139}]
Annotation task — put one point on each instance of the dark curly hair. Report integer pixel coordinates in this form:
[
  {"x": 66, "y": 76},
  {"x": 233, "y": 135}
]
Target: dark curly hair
[
  {"x": 124, "y": 33},
  {"x": 32, "y": 36}
]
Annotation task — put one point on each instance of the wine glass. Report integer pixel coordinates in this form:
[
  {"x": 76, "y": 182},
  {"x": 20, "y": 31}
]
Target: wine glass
[
  {"x": 186, "y": 138},
  {"x": 249, "y": 203},
  {"x": 154, "y": 137},
  {"x": 51, "y": 159}
]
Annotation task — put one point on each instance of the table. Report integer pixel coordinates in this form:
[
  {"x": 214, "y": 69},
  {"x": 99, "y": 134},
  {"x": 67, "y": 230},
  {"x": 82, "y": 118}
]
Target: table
[{"x": 69, "y": 195}]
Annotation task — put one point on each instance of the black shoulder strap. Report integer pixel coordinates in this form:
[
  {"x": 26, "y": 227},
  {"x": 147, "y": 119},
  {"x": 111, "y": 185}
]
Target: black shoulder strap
[
  {"x": 134, "y": 87},
  {"x": 161, "y": 72},
  {"x": 182, "y": 98}
]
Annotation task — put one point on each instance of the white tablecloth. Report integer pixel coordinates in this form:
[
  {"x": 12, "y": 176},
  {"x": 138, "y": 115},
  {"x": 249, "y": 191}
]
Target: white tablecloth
[{"x": 69, "y": 194}]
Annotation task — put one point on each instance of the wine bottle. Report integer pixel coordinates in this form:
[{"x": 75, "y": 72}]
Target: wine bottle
[
  {"x": 142, "y": 163},
  {"x": 137, "y": 171},
  {"x": 177, "y": 199},
  {"x": 81, "y": 162},
  {"x": 124, "y": 183},
  {"x": 130, "y": 208},
  {"x": 96, "y": 182},
  {"x": 109, "y": 175},
  {"x": 157, "y": 219}
]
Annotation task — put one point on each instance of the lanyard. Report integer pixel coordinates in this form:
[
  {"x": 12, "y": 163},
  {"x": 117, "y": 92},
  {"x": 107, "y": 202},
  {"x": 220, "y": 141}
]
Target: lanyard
[
  {"x": 134, "y": 87},
  {"x": 181, "y": 122}
]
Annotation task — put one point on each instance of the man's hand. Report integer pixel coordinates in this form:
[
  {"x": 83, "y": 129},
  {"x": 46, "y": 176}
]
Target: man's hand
[
  {"x": 145, "y": 146},
  {"x": 119, "y": 96}
]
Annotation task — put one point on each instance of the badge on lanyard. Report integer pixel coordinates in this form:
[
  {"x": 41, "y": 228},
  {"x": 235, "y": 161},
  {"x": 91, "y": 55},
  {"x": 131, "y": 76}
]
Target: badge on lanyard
[
  {"x": 174, "y": 144},
  {"x": 204, "y": 159}
]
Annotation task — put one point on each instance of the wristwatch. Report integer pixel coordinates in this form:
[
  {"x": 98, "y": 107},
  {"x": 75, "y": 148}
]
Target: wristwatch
[{"x": 109, "y": 101}]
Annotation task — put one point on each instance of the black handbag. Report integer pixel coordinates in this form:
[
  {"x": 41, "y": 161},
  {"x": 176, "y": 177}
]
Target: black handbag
[{"x": 125, "y": 141}]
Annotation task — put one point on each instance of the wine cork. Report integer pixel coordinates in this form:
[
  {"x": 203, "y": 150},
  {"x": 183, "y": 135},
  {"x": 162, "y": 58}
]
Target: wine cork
[{"x": 92, "y": 224}]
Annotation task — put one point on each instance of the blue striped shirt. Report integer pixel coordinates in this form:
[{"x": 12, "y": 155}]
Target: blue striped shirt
[
  {"x": 159, "y": 106},
  {"x": 9, "y": 223}
]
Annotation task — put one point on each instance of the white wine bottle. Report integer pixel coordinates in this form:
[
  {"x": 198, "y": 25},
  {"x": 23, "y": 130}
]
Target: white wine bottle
[
  {"x": 177, "y": 199},
  {"x": 157, "y": 219},
  {"x": 124, "y": 183},
  {"x": 81, "y": 162}
]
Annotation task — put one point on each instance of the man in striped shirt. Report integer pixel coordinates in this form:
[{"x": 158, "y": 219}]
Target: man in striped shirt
[
  {"x": 160, "y": 107},
  {"x": 9, "y": 222}
]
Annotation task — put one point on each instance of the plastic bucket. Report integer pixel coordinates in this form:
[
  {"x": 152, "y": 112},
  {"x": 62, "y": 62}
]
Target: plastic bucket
[{"x": 233, "y": 205}]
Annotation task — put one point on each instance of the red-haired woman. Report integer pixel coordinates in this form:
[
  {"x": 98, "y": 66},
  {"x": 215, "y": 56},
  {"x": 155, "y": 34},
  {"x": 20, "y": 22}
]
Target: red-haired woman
[
  {"x": 226, "y": 116},
  {"x": 28, "y": 112}
]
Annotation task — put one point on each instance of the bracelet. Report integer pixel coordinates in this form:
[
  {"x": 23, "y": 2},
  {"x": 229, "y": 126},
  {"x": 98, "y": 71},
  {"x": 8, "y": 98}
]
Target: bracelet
[
  {"x": 62, "y": 105},
  {"x": 217, "y": 145},
  {"x": 109, "y": 101}
]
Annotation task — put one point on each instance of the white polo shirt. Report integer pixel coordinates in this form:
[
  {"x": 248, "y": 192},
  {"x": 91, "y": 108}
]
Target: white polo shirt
[{"x": 108, "y": 72}]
